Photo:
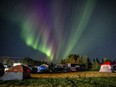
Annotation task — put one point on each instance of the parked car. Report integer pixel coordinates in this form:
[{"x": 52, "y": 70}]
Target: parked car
[{"x": 61, "y": 68}]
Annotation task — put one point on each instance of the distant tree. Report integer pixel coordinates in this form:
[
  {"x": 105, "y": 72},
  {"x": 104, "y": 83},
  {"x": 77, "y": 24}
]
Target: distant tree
[
  {"x": 63, "y": 61},
  {"x": 86, "y": 61},
  {"x": 102, "y": 61},
  {"x": 37, "y": 63},
  {"x": 27, "y": 61},
  {"x": 107, "y": 60},
  {"x": 8, "y": 61},
  {"x": 11, "y": 62},
  {"x": 97, "y": 60},
  {"x": 89, "y": 64},
  {"x": 75, "y": 56},
  {"x": 93, "y": 60},
  {"x": 32, "y": 62},
  {"x": 95, "y": 64},
  {"x": 69, "y": 59},
  {"x": 72, "y": 58}
]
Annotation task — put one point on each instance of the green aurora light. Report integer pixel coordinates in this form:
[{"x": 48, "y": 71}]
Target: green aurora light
[{"x": 44, "y": 29}]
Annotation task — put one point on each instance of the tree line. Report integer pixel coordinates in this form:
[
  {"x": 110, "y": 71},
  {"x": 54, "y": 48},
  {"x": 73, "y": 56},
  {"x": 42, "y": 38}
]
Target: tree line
[
  {"x": 83, "y": 61},
  {"x": 26, "y": 60}
]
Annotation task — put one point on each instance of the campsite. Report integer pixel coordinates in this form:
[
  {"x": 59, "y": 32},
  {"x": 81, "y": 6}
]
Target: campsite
[
  {"x": 20, "y": 76},
  {"x": 99, "y": 74}
]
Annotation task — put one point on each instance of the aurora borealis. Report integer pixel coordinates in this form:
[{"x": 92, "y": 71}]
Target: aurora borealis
[
  {"x": 57, "y": 28},
  {"x": 41, "y": 31}
]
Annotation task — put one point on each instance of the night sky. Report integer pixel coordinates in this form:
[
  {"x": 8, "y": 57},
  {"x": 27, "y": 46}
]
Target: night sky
[{"x": 53, "y": 29}]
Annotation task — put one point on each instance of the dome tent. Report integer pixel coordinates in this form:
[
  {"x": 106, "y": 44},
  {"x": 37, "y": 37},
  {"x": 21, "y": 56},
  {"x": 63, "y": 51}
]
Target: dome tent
[
  {"x": 107, "y": 67},
  {"x": 42, "y": 68},
  {"x": 18, "y": 72}
]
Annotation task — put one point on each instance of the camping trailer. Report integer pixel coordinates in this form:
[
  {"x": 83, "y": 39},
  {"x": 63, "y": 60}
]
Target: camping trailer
[{"x": 73, "y": 67}]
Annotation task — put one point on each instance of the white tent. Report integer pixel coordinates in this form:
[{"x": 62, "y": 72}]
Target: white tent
[{"x": 107, "y": 67}]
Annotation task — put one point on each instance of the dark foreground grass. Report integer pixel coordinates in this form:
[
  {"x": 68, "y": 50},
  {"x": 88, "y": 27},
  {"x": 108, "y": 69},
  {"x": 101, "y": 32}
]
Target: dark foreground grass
[{"x": 62, "y": 82}]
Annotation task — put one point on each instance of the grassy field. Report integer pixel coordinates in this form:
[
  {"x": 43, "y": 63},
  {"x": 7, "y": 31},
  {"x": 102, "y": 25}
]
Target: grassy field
[
  {"x": 65, "y": 80},
  {"x": 74, "y": 75}
]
